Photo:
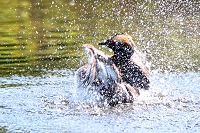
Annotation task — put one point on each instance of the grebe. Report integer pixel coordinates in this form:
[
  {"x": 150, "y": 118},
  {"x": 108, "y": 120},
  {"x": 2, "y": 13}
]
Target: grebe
[{"x": 116, "y": 79}]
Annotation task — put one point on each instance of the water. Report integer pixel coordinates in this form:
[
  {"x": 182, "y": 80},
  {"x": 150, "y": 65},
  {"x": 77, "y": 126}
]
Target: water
[
  {"x": 40, "y": 50},
  {"x": 49, "y": 104}
]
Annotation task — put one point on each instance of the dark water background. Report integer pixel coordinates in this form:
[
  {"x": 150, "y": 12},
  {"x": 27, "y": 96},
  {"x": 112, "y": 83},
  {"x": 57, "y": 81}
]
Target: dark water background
[{"x": 40, "y": 50}]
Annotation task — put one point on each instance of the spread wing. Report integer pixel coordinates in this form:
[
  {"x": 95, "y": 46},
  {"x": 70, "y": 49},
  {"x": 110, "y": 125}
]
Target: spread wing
[
  {"x": 139, "y": 59},
  {"x": 102, "y": 74}
]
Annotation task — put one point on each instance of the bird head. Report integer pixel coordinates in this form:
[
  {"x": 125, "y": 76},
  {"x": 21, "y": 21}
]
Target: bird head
[{"x": 121, "y": 44}]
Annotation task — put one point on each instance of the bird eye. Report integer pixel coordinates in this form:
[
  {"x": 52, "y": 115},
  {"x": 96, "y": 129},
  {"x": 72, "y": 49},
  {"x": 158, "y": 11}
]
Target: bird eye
[{"x": 111, "y": 41}]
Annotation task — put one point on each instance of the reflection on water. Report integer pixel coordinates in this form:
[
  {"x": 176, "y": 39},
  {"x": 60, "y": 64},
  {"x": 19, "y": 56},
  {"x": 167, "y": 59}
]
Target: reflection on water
[
  {"x": 40, "y": 48},
  {"x": 37, "y": 35}
]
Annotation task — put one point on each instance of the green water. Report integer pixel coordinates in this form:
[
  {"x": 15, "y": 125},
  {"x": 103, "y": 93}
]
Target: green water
[{"x": 42, "y": 34}]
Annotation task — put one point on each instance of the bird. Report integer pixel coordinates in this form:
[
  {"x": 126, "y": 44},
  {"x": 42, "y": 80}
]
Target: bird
[{"x": 116, "y": 79}]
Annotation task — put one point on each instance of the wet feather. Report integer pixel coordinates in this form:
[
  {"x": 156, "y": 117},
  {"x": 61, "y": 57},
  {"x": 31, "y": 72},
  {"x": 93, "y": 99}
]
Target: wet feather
[{"x": 102, "y": 74}]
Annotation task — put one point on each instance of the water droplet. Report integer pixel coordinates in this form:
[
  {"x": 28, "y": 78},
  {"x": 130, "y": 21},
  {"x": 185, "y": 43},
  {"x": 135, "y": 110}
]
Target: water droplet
[{"x": 72, "y": 3}]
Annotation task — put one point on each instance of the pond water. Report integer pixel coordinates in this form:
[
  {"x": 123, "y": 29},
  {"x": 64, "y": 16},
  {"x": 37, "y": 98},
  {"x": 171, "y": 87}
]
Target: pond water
[{"x": 40, "y": 50}]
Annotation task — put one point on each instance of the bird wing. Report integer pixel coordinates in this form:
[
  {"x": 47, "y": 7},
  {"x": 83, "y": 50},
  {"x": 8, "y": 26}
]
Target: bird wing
[
  {"x": 102, "y": 74},
  {"x": 139, "y": 59}
]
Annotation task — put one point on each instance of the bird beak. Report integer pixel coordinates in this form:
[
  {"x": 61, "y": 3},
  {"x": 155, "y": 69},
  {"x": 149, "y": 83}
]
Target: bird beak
[{"x": 105, "y": 42}]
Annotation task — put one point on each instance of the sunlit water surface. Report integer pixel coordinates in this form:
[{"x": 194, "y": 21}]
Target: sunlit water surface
[{"x": 50, "y": 104}]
